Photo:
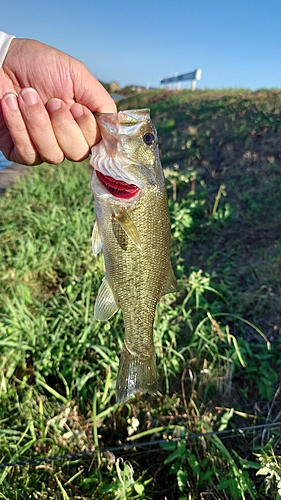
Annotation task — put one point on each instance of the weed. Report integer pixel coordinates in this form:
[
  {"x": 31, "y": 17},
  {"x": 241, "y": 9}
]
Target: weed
[{"x": 217, "y": 340}]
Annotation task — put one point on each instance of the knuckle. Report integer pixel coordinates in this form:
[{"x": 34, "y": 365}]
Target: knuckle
[
  {"x": 54, "y": 160},
  {"x": 36, "y": 118},
  {"x": 17, "y": 126},
  {"x": 77, "y": 156},
  {"x": 27, "y": 157}
]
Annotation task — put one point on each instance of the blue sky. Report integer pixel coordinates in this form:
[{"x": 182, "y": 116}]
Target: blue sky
[{"x": 236, "y": 43}]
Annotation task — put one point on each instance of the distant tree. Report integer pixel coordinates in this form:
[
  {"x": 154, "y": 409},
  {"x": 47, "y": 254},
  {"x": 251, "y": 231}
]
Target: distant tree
[{"x": 128, "y": 91}]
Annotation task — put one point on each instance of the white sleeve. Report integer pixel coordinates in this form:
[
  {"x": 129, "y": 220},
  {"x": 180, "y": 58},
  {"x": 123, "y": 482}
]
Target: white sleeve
[{"x": 5, "y": 41}]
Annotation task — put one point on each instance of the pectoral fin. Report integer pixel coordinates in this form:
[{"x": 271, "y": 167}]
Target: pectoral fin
[
  {"x": 96, "y": 239},
  {"x": 171, "y": 283},
  {"x": 105, "y": 305},
  {"x": 125, "y": 221}
]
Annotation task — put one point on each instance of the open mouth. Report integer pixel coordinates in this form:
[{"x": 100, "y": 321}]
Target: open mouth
[{"x": 118, "y": 188}]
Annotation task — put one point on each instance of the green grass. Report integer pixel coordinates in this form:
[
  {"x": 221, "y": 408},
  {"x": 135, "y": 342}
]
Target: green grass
[{"x": 217, "y": 340}]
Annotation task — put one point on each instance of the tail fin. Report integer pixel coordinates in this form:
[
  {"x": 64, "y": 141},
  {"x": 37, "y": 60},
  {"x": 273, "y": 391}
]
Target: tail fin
[{"x": 135, "y": 375}]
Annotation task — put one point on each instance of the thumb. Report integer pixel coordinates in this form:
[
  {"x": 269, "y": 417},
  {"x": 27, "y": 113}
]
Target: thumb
[{"x": 90, "y": 92}]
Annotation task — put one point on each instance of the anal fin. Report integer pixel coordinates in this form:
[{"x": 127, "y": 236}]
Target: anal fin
[
  {"x": 171, "y": 283},
  {"x": 125, "y": 221},
  {"x": 105, "y": 305}
]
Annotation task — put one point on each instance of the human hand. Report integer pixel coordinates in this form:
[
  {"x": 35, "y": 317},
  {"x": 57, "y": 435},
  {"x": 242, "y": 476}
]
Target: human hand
[{"x": 46, "y": 102}]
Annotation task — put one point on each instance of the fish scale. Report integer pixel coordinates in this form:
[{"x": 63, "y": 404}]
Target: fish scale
[
  {"x": 135, "y": 239},
  {"x": 138, "y": 274}
]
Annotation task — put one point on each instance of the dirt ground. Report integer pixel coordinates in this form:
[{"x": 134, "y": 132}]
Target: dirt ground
[{"x": 10, "y": 174}]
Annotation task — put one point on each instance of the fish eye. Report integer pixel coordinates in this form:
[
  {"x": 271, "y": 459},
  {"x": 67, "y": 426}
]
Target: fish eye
[{"x": 149, "y": 138}]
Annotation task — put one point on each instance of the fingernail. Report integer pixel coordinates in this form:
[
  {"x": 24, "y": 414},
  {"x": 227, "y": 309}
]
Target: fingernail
[
  {"x": 53, "y": 105},
  {"x": 11, "y": 101},
  {"x": 76, "y": 110},
  {"x": 29, "y": 96}
]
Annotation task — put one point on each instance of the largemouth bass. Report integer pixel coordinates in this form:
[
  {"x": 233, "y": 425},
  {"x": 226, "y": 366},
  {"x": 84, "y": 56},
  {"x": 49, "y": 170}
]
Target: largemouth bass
[{"x": 133, "y": 230}]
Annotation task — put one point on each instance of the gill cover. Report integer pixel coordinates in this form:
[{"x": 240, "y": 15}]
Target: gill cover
[{"x": 127, "y": 151}]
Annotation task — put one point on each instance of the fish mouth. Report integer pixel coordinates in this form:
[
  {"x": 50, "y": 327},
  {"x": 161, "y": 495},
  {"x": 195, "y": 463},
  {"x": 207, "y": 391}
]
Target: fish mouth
[{"x": 118, "y": 188}]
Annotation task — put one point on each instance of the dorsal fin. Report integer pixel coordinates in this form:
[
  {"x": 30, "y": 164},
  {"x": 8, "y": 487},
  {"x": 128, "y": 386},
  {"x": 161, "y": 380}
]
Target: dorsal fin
[
  {"x": 105, "y": 305},
  {"x": 125, "y": 221}
]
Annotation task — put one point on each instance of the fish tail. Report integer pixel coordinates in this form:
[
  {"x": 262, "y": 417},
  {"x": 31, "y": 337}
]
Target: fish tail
[{"x": 135, "y": 374}]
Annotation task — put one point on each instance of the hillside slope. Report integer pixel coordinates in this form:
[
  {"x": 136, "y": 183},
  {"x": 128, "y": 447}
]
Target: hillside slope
[{"x": 217, "y": 340}]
